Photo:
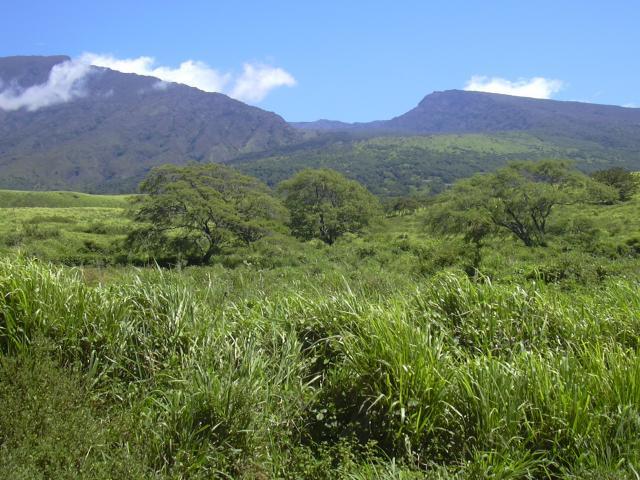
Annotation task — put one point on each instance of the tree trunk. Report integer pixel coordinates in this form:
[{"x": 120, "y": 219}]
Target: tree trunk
[{"x": 212, "y": 250}]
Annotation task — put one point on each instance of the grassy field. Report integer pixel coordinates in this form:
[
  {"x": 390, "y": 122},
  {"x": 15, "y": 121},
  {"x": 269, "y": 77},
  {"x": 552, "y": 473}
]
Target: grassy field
[
  {"x": 286, "y": 374},
  {"x": 25, "y": 199},
  {"x": 81, "y": 229},
  {"x": 377, "y": 357},
  {"x": 66, "y": 227}
]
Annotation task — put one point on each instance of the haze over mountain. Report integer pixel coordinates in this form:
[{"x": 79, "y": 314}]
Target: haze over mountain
[{"x": 71, "y": 126}]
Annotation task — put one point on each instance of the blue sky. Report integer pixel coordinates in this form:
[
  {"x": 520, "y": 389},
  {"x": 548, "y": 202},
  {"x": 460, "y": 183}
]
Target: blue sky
[{"x": 349, "y": 60}]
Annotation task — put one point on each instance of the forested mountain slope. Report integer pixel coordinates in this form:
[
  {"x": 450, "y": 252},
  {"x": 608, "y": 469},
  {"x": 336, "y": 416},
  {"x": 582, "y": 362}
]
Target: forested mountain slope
[{"x": 116, "y": 126}]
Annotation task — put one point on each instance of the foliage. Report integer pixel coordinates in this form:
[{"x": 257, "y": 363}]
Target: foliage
[
  {"x": 394, "y": 166},
  {"x": 51, "y": 428},
  {"x": 624, "y": 181},
  {"x": 194, "y": 211},
  {"x": 400, "y": 166},
  {"x": 70, "y": 235},
  {"x": 324, "y": 204},
  {"x": 518, "y": 198},
  {"x": 376, "y": 357}
]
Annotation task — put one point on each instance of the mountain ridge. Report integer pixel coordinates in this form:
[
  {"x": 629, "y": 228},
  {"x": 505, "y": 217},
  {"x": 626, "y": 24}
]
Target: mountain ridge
[
  {"x": 107, "y": 139},
  {"x": 443, "y": 112},
  {"x": 117, "y": 126},
  {"x": 405, "y": 154}
]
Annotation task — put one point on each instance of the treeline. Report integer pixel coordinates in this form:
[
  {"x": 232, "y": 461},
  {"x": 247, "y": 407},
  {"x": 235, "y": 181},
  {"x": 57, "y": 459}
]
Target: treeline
[
  {"x": 212, "y": 214},
  {"x": 192, "y": 213},
  {"x": 195, "y": 212}
]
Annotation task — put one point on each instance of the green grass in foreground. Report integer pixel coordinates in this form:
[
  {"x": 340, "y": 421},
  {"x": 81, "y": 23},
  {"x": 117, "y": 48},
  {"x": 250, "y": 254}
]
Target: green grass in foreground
[{"x": 282, "y": 374}]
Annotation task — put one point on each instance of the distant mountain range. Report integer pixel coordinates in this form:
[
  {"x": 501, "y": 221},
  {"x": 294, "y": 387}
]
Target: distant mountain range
[
  {"x": 457, "y": 111},
  {"x": 118, "y": 126},
  {"x": 454, "y": 134},
  {"x": 110, "y": 128}
]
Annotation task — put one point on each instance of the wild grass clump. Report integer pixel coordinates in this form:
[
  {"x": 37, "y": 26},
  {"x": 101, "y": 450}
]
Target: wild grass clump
[{"x": 307, "y": 373}]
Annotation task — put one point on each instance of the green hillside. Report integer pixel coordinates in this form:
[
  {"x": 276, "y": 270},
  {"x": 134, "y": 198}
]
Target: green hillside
[
  {"x": 374, "y": 358},
  {"x": 28, "y": 199},
  {"x": 106, "y": 141},
  {"x": 393, "y": 166},
  {"x": 68, "y": 227}
]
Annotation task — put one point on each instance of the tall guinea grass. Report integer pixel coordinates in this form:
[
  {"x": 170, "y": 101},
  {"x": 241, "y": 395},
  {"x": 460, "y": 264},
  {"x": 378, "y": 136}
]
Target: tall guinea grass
[{"x": 289, "y": 374}]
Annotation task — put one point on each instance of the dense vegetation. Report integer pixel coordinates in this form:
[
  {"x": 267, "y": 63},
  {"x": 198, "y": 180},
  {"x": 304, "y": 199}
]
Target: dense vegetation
[
  {"x": 194, "y": 211},
  {"x": 394, "y": 166},
  {"x": 395, "y": 352}
]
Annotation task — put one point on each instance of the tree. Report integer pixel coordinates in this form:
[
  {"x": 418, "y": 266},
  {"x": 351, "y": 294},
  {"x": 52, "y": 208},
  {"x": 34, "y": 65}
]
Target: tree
[
  {"x": 324, "y": 204},
  {"x": 193, "y": 211},
  {"x": 518, "y": 198},
  {"x": 622, "y": 180}
]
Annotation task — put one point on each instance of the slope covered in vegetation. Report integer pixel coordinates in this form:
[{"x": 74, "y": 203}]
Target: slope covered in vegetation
[
  {"x": 396, "y": 166},
  {"x": 107, "y": 139},
  {"x": 30, "y": 199}
]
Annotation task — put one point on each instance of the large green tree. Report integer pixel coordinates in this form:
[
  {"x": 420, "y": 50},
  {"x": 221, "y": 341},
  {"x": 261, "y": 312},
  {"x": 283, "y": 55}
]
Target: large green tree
[
  {"x": 193, "y": 211},
  {"x": 518, "y": 198},
  {"x": 622, "y": 180},
  {"x": 324, "y": 204}
]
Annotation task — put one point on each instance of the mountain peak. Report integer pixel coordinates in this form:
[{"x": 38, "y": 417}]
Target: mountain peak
[
  {"x": 461, "y": 111},
  {"x": 102, "y": 130}
]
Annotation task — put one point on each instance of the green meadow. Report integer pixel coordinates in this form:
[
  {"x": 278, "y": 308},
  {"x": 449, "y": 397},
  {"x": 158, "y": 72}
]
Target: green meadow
[{"x": 66, "y": 227}]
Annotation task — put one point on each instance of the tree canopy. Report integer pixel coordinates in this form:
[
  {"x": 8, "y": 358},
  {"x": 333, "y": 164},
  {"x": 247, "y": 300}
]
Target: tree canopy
[
  {"x": 518, "y": 198},
  {"x": 324, "y": 204},
  {"x": 195, "y": 210},
  {"x": 622, "y": 180}
]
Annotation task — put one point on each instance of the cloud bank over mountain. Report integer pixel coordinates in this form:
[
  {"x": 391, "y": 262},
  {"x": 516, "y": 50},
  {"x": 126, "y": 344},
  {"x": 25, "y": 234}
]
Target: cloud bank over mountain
[
  {"x": 65, "y": 83},
  {"x": 66, "y": 80},
  {"x": 536, "y": 87},
  {"x": 252, "y": 85}
]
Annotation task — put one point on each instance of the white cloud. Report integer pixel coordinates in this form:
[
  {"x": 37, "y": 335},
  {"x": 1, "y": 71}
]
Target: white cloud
[
  {"x": 65, "y": 83},
  {"x": 192, "y": 73},
  {"x": 537, "y": 87},
  {"x": 255, "y": 82},
  {"x": 631, "y": 105},
  {"x": 66, "y": 80},
  {"x": 160, "y": 85}
]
